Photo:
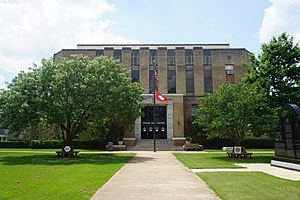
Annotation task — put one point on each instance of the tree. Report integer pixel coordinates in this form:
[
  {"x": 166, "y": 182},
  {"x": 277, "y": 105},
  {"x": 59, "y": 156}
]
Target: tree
[
  {"x": 234, "y": 110},
  {"x": 277, "y": 70},
  {"x": 74, "y": 94}
]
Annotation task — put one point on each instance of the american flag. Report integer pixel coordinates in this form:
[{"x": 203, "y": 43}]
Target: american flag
[{"x": 156, "y": 77}]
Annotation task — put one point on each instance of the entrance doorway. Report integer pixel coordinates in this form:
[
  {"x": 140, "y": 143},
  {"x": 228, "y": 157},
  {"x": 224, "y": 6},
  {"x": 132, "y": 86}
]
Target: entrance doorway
[{"x": 160, "y": 124}]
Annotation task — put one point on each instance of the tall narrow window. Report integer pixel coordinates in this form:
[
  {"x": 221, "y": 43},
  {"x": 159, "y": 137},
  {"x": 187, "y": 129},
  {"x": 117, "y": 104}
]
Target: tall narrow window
[
  {"x": 99, "y": 52},
  {"x": 135, "y": 57},
  {"x": 229, "y": 73},
  {"x": 152, "y": 56},
  {"x": 208, "y": 86},
  {"x": 118, "y": 55},
  {"x": 189, "y": 57},
  {"x": 207, "y": 57},
  {"x": 171, "y": 79},
  {"x": 195, "y": 108},
  {"x": 171, "y": 57},
  {"x": 190, "y": 80},
  {"x": 135, "y": 74}
]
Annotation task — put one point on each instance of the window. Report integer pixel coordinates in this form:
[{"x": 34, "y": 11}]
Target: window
[
  {"x": 171, "y": 79},
  {"x": 229, "y": 73},
  {"x": 118, "y": 55},
  {"x": 152, "y": 56},
  {"x": 208, "y": 86},
  {"x": 171, "y": 58},
  {"x": 135, "y": 57},
  {"x": 207, "y": 57},
  {"x": 189, "y": 57},
  {"x": 189, "y": 79},
  {"x": 99, "y": 52},
  {"x": 194, "y": 110},
  {"x": 135, "y": 74}
]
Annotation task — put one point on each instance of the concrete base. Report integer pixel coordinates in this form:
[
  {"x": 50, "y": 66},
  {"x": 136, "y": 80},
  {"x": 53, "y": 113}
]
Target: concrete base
[
  {"x": 178, "y": 141},
  {"x": 286, "y": 165},
  {"x": 129, "y": 141}
]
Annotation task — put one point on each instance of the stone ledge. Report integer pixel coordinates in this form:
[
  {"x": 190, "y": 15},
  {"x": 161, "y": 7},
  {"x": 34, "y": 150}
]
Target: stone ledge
[
  {"x": 129, "y": 141},
  {"x": 178, "y": 141}
]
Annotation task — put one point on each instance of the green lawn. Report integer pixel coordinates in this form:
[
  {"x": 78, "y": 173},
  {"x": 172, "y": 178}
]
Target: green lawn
[
  {"x": 38, "y": 174},
  {"x": 218, "y": 159},
  {"x": 250, "y": 185}
]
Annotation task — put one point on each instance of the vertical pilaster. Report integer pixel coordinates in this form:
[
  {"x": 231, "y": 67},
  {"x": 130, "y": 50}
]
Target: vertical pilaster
[
  {"x": 126, "y": 57},
  {"x": 144, "y": 63},
  {"x": 109, "y": 52},
  {"x": 162, "y": 70},
  {"x": 180, "y": 70},
  {"x": 198, "y": 71}
]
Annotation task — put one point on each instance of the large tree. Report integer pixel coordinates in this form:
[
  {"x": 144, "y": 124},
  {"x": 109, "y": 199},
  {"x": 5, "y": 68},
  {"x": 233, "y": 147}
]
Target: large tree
[
  {"x": 74, "y": 94},
  {"x": 277, "y": 70},
  {"x": 234, "y": 110}
]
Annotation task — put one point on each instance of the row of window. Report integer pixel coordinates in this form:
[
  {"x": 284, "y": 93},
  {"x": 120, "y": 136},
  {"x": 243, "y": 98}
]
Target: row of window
[
  {"x": 190, "y": 87},
  {"x": 171, "y": 78},
  {"x": 171, "y": 57}
]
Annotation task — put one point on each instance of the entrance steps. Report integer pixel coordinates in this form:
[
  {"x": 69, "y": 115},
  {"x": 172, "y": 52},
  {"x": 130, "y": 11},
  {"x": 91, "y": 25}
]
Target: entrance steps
[{"x": 148, "y": 145}]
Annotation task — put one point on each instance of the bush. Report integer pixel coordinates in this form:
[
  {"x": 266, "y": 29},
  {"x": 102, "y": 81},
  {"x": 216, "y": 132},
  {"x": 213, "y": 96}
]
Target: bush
[
  {"x": 258, "y": 143},
  {"x": 46, "y": 144},
  {"x": 248, "y": 143},
  {"x": 57, "y": 144},
  {"x": 14, "y": 144}
]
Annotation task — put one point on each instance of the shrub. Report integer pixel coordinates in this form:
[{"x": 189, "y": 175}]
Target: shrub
[
  {"x": 14, "y": 144},
  {"x": 57, "y": 144},
  {"x": 46, "y": 144},
  {"x": 258, "y": 143}
]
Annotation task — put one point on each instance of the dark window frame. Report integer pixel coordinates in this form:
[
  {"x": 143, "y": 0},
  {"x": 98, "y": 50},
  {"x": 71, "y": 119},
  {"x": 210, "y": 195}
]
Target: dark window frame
[
  {"x": 189, "y": 57},
  {"x": 135, "y": 57},
  {"x": 152, "y": 56},
  {"x": 171, "y": 57},
  {"x": 118, "y": 55},
  {"x": 190, "y": 81},
  {"x": 171, "y": 71}
]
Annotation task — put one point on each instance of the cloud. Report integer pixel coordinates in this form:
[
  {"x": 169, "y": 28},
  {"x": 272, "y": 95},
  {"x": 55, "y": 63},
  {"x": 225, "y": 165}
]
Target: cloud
[
  {"x": 281, "y": 16},
  {"x": 33, "y": 29},
  {"x": 2, "y": 82}
]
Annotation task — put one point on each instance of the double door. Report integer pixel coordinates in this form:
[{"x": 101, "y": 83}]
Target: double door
[{"x": 160, "y": 122}]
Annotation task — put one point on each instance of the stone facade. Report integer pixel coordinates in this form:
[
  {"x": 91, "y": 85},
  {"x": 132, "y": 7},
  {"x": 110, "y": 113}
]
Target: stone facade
[{"x": 199, "y": 68}]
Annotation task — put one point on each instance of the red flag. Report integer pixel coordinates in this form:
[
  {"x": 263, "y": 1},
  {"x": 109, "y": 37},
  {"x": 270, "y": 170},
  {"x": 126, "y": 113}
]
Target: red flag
[
  {"x": 160, "y": 97},
  {"x": 156, "y": 77}
]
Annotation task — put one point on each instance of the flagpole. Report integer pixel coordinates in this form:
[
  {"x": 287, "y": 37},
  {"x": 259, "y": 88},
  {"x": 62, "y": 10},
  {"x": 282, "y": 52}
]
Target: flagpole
[{"x": 154, "y": 120}]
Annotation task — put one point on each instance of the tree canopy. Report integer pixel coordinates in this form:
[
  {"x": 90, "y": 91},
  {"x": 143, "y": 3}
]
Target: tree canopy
[
  {"x": 73, "y": 93},
  {"x": 234, "y": 110},
  {"x": 277, "y": 70}
]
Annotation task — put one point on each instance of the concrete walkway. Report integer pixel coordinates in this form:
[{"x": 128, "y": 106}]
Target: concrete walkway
[
  {"x": 155, "y": 176},
  {"x": 266, "y": 168}
]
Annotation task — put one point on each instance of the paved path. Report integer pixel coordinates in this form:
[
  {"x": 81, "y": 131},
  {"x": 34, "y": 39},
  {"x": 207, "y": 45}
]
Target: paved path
[
  {"x": 155, "y": 176},
  {"x": 266, "y": 168}
]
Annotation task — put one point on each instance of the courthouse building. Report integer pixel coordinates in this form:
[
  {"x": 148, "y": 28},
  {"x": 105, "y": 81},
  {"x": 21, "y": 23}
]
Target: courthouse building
[{"x": 185, "y": 71}]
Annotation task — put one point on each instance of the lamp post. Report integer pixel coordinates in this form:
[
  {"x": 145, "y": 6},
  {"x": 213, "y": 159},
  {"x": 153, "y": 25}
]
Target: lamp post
[{"x": 154, "y": 120}]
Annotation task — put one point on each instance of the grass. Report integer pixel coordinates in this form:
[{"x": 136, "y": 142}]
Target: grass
[
  {"x": 250, "y": 185},
  {"x": 219, "y": 159},
  {"x": 38, "y": 174}
]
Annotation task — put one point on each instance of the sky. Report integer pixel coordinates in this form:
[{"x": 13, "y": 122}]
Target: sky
[{"x": 34, "y": 29}]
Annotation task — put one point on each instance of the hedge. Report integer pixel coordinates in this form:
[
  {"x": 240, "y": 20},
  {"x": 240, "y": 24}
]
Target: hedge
[
  {"x": 46, "y": 144},
  {"x": 258, "y": 143},
  {"x": 57, "y": 144},
  {"x": 14, "y": 144},
  {"x": 250, "y": 143}
]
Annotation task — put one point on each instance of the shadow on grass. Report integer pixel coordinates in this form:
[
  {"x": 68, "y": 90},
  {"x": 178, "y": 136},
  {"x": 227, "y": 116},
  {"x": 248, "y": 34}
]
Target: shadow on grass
[
  {"x": 96, "y": 159},
  {"x": 255, "y": 159}
]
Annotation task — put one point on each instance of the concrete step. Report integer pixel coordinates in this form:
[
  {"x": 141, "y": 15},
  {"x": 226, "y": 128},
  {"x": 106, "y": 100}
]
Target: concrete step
[{"x": 148, "y": 145}]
